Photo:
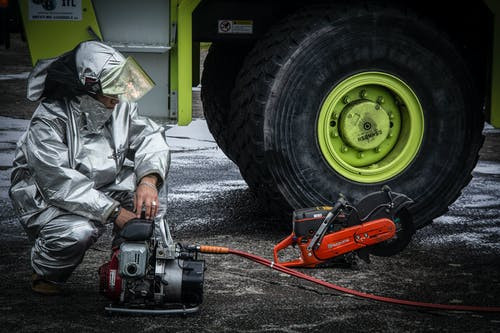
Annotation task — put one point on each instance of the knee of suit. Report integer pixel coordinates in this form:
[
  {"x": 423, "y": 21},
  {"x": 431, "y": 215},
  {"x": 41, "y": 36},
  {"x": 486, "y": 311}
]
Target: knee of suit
[
  {"x": 75, "y": 242},
  {"x": 83, "y": 236}
]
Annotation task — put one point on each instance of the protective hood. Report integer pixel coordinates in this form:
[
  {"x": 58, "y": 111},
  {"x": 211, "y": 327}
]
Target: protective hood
[
  {"x": 127, "y": 81},
  {"x": 74, "y": 73}
]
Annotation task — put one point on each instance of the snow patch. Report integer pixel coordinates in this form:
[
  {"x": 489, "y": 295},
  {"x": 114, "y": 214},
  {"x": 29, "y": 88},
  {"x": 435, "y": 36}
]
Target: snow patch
[
  {"x": 492, "y": 230},
  {"x": 197, "y": 130},
  {"x": 466, "y": 239},
  {"x": 4, "y": 183},
  {"x": 6, "y": 159},
  {"x": 196, "y": 222},
  {"x": 213, "y": 187},
  {"x": 447, "y": 219},
  {"x": 4, "y": 192},
  {"x": 490, "y": 129},
  {"x": 20, "y": 76},
  {"x": 488, "y": 167},
  {"x": 186, "y": 144},
  {"x": 10, "y": 136},
  {"x": 187, "y": 197},
  {"x": 185, "y": 158},
  {"x": 13, "y": 123},
  {"x": 482, "y": 222},
  {"x": 249, "y": 290},
  {"x": 482, "y": 201},
  {"x": 195, "y": 136},
  {"x": 204, "y": 191}
]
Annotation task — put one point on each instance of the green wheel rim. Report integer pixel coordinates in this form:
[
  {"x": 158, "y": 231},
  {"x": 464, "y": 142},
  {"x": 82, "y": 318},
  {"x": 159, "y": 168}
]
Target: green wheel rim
[{"x": 370, "y": 127}]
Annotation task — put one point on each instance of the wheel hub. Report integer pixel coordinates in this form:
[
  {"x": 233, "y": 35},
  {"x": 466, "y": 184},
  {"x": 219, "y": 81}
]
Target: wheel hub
[
  {"x": 370, "y": 127},
  {"x": 364, "y": 125}
]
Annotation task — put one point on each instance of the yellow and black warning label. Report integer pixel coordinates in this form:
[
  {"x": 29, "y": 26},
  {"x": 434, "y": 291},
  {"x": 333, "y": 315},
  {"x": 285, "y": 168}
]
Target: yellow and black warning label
[{"x": 235, "y": 27}]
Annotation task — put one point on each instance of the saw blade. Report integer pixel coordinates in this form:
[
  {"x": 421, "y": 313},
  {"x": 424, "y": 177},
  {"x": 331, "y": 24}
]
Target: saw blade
[{"x": 391, "y": 205}]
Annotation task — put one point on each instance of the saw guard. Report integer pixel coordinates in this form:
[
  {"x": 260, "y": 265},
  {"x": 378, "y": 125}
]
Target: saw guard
[{"x": 337, "y": 243}]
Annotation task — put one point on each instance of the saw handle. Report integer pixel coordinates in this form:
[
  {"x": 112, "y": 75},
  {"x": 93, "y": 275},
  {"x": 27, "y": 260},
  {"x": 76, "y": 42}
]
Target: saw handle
[{"x": 290, "y": 240}]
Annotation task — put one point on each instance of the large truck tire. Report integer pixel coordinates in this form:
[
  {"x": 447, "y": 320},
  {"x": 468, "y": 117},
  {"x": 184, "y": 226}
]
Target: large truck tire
[
  {"x": 344, "y": 99},
  {"x": 220, "y": 68}
]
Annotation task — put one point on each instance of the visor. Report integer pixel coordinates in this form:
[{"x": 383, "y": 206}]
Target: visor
[{"x": 128, "y": 81}]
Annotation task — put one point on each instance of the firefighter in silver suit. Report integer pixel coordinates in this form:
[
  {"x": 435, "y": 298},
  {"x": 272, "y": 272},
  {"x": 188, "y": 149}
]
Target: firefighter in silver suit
[{"x": 87, "y": 158}]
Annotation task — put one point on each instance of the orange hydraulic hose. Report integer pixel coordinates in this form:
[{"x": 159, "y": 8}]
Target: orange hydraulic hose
[
  {"x": 214, "y": 249},
  {"x": 283, "y": 269}
]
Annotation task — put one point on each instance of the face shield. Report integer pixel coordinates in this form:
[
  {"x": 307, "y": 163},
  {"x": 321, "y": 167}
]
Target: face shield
[{"x": 127, "y": 81}]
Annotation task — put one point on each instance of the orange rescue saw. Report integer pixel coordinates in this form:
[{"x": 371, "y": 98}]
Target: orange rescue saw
[{"x": 379, "y": 224}]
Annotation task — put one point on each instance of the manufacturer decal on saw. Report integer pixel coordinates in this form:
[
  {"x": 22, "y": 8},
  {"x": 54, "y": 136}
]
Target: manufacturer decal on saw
[{"x": 332, "y": 245}]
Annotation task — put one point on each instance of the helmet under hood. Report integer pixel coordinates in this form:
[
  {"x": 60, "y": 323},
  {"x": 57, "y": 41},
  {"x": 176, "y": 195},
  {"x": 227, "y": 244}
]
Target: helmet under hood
[{"x": 82, "y": 71}]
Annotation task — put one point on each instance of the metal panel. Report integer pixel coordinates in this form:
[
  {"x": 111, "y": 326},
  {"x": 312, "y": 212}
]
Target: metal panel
[
  {"x": 130, "y": 22},
  {"x": 155, "y": 103},
  {"x": 142, "y": 30}
]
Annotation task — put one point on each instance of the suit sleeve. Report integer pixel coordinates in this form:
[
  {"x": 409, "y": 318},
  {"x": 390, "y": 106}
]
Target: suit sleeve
[{"x": 149, "y": 150}]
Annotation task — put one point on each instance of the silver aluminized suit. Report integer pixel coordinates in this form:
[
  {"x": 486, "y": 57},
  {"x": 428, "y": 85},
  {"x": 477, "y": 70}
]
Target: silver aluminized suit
[{"x": 69, "y": 173}]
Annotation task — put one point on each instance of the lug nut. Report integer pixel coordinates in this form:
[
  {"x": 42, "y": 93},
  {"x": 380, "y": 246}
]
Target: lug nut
[
  {"x": 377, "y": 150},
  {"x": 361, "y": 155},
  {"x": 346, "y": 100},
  {"x": 345, "y": 149},
  {"x": 380, "y": 100},
  {"x": 362, "y": 93}
]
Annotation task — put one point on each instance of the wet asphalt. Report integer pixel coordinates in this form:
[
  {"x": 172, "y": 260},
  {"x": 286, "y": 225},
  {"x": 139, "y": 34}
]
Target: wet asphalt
[{"x": 454, "y": 260}]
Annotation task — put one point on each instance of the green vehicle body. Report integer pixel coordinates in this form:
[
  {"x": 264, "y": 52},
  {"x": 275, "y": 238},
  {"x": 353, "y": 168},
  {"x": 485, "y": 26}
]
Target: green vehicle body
[
  {"x": 495, "y": 82},
  {"x": 66, "y": 34}
]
